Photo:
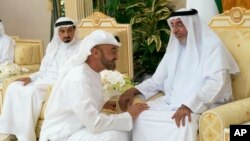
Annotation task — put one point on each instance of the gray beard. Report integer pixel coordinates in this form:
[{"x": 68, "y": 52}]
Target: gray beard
[{"x": 183, "y": 42}]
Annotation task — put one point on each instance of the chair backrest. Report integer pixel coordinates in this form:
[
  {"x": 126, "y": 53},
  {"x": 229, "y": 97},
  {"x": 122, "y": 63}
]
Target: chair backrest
[
  {"x": 233, "y": 27},
  {"x": 99, "y": 20},
  {"x": 28, "y": 53}
]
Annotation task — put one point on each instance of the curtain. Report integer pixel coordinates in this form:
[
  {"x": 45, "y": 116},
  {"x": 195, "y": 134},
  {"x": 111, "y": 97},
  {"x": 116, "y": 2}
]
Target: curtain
[
  {"x": 56, "y": 12},
  {"x": 219, "y": 5}
]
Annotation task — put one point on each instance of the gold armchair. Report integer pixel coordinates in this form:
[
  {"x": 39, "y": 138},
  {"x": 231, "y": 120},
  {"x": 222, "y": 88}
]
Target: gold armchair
[{"x": 233, "y": 27}]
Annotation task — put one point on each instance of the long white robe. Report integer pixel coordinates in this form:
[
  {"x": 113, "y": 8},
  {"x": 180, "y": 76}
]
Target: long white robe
[
  {"x": 153, "y": 125},
  {"x": 209, "y": 92},
  {"x": 6, "y": 49},
  {"x": 74, "y": 113},
  {"x": 22, "y": 104},
  {"x": 195, "y": 73}
]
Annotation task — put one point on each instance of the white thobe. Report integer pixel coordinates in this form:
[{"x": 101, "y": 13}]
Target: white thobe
[
  {"x": 157, "y": 123},
  {"x": 6, "y": 49},
  {"x": 74, "y": 113},
  {"x": 22, "y": 104}
]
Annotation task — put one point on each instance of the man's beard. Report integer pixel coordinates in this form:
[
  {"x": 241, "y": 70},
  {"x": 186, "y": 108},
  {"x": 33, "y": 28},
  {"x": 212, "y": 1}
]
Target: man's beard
[
  {"x": 110, "y": 65},
  {"x": 67, "y": 40},
  {"x": 183, "y": 41}
]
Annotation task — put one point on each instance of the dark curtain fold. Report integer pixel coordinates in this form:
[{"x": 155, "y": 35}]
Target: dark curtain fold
[
  {"x": 56, "y": 13},
  {"x": 219, "y": 5}
]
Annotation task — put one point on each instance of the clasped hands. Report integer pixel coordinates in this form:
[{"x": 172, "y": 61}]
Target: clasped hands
[{"x": 179, "y": 116}]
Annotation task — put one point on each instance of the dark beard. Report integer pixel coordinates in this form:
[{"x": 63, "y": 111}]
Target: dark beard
[
  {"x": 67, "y": 40},
  {"x": 110, "y": 65}
]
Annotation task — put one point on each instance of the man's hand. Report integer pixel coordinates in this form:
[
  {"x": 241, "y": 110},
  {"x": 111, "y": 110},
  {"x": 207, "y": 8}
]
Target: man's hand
[
  {"x": 110, "y": 105},
  {"x": 181, "y": 114},
  {"x": 25, "y": 80},
  {"x": 127, "y": 98},
  {"x": 135, "y": 109}
]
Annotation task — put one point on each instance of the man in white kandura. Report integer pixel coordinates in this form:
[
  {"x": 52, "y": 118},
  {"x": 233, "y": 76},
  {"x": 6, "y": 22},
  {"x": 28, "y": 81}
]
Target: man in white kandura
[
  {"x": 74, "y": 108},
  {"x": 24, "y": 98},
  {"x": 194, "y": 75},
  {"x": 6, "y": 46}
]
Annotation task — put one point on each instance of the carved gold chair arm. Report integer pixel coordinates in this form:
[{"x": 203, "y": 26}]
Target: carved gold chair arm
[{"x": 214, "y": 121}]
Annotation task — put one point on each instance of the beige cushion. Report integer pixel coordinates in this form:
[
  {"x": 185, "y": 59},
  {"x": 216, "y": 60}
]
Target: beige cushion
[
  {"x": 237, "y": 41},
  {"x": 233, "y": 27},
  {"x": 235, "y": 33},
  {"x": 28, "y": 53}
]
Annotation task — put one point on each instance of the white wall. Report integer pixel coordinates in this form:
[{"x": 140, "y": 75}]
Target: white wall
[{"x": 29, "y": 19}]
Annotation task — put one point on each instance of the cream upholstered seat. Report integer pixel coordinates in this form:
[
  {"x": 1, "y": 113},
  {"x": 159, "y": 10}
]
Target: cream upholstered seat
[
  {"x": 28, "y": 53},
  {"x": 233, "y": 27},
  {"x": 100, "y": 21}
]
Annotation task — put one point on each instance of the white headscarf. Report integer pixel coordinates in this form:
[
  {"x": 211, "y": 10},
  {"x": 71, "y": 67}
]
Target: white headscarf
[
  {"x": 56, "y": 41},
  {"x": 1, "y": 28},
  {"x": 95, "y": 38},
  {"x": 205, "y": 54}
]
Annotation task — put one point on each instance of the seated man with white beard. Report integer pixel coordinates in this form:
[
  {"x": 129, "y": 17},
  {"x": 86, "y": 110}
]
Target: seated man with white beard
[
  {"x": 194, "y": 75},
  {"x": 24, "y": 97}
]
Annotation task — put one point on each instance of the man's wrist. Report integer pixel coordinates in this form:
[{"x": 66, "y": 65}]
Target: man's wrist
[
  {"x": 186, "y": 107},
  {"x": 135, "y": 91}
]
